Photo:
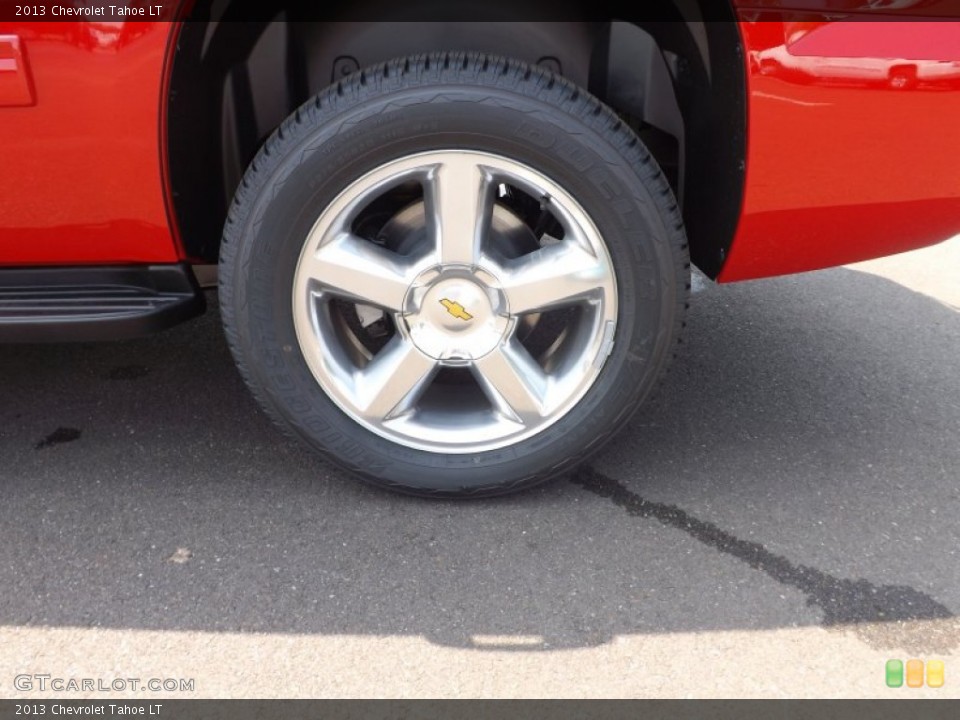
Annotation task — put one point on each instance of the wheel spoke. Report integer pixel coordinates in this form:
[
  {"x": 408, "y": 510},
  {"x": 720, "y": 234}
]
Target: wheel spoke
[
  {"x": 357, "y": 269},
  {"x": 393, "y": 381},
  {"x": 514, "y": 382},
  {"x": 459, "y": 195},
  {"x": 554, "y": 275}
]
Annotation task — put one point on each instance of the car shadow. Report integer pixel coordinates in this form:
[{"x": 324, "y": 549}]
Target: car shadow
[{"x": 798, "y": 467}]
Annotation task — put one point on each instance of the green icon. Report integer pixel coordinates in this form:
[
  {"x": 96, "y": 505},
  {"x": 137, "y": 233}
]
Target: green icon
[{"x": 894, "y": 673}]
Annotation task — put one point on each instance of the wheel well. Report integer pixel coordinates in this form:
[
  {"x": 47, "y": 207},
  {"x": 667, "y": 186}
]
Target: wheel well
[{"x": 679, "y": 83}]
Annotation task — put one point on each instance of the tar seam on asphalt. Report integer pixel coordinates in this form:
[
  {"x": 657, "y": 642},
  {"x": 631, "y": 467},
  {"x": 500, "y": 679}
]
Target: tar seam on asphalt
[
  {"x": 60, "y": 435},
  {"x": 844, "y": 602}
]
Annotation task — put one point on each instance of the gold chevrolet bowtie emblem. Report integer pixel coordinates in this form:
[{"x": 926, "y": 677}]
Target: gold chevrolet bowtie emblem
[{"x": 456, "y": 309}]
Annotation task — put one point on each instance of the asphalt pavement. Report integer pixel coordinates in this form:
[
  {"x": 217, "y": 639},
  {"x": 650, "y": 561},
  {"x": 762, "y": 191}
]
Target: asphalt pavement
[{"x": 780, "y": 520}]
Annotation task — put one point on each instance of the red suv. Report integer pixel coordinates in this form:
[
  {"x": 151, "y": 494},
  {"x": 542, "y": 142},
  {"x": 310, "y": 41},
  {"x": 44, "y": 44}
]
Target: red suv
[{"x": 454, "y": 256}]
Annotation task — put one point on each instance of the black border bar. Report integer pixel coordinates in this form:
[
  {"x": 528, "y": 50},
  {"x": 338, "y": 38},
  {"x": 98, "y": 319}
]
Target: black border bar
[{"x": 460, "y": 10}]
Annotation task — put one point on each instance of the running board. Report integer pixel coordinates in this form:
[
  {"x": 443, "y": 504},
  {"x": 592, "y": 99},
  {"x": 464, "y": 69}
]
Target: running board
[{"x": 68, "y": 304}]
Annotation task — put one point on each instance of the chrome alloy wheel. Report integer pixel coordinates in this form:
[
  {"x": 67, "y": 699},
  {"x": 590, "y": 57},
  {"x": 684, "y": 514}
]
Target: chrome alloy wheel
[{"x": 455, "y": 301}]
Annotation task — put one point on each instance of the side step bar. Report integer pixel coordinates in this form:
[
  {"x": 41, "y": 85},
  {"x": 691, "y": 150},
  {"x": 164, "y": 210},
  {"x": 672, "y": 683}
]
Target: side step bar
[{"x": 67, "y": 304}]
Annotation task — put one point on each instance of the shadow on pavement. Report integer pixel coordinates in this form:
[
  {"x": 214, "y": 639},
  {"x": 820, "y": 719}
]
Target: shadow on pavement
[{"x": 800, "y": 460}]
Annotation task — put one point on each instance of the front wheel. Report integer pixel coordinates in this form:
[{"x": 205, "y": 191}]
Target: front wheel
[{"x": 453, "y": 274}]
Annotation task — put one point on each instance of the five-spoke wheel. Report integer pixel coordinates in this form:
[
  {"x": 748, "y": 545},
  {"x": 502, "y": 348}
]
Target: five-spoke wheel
[{"x": 455, "y": 292}]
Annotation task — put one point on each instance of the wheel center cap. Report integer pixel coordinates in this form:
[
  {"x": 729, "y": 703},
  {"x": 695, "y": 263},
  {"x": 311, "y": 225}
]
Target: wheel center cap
[{"x": 456, "y": 314}]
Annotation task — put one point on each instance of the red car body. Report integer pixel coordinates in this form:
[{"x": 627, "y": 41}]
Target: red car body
[
  {"x": 844, "y": 171},
  {"x": 839, "y": 167}
]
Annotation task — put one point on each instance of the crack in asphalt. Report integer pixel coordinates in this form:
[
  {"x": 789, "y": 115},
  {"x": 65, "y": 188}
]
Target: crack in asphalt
[{"x": 844, "y": 602}]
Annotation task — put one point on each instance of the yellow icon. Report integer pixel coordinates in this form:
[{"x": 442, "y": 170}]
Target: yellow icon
[
  {"x": 935, "y": 673},
  {"x": 456, "y": 309},
  {"x": 914, "y": 673}
]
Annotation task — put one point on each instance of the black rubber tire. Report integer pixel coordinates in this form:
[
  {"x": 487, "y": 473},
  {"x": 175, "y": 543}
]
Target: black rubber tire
[{"x": 430, "y": 102}]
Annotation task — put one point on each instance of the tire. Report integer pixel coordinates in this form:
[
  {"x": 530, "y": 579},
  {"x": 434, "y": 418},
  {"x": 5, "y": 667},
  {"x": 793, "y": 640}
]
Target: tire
[{"x": 460, "y": 428}]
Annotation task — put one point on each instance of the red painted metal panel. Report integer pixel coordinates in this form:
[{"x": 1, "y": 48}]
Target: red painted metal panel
[
  {"x": 852, "y": 152},
  {"x": 81, "y": 178},
  {"x": 853, "y": 149},
  {"x": 15, "y": 89}
]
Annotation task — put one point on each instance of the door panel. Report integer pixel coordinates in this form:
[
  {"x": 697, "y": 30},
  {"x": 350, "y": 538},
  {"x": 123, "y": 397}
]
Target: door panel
[{"x": 82, "y": 178}]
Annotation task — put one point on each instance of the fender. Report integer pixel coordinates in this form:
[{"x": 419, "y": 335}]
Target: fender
[{"x": 853, "y": 150}]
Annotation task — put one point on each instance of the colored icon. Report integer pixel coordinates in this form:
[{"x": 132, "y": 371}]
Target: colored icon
[
  {"x": 894, "y": 673},
  {"x": 935, "y": 673},
  {"x": 914, "y": 673}
]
